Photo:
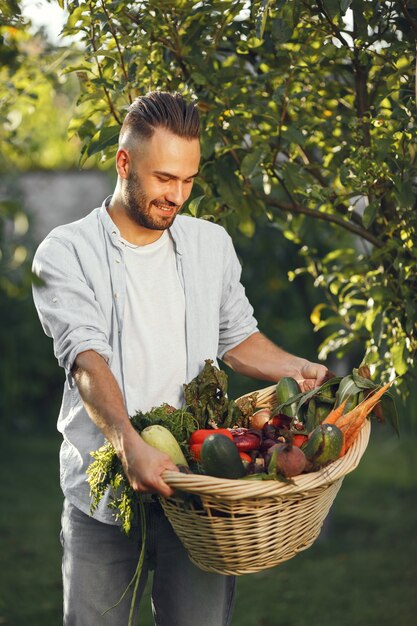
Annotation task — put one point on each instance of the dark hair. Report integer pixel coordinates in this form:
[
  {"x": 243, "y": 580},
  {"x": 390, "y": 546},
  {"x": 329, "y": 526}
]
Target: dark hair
[{"x": 162, "y": 109}]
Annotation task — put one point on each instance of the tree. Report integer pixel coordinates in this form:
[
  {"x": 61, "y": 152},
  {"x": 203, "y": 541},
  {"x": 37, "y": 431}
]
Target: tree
[
  {"x": 36, "y": 103},
  {"x": 309, "y": 119}
]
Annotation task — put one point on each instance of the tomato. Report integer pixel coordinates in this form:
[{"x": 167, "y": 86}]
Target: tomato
[
  {"x": 245, "y": 457},
  {"x": 298, "y": 440}
]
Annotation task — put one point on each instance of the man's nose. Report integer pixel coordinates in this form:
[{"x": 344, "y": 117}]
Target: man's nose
[{"x": 176, "y": 193}]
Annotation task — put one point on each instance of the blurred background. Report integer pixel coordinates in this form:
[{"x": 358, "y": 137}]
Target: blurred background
[{"x": 309, "y": 160}]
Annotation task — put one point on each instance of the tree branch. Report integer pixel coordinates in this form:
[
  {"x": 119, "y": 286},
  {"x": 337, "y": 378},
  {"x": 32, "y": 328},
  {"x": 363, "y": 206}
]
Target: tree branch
[
  {"x": 410, "y": 19},
  {"x": 116, "y": 40},
  {"x": 328, "y": 217},
  {"x": 336, "y": 31},
  {"x": 100, "y": 71}
]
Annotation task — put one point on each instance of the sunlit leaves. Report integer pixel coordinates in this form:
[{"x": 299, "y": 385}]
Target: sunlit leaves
[{"x": 309, "y": 118}]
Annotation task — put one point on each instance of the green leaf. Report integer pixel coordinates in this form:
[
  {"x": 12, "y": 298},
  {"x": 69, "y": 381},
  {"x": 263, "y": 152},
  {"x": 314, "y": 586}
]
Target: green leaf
[
  {"x": 199, "y": 78},
  {"x": 251, "y": 162},
  {"x": 361, "y": 382},
  {"x": 398, "y": 352},
  {"x": 194, "y": 204},
  {"x": 370, "y": 213},
  {"x": 344, "y": 5},
  {"x": 389, "y": 410},
  {"x": 282, "y": 30},
  {"x": 261, "y": 18},
  {"x": 347, "y": 388},
  {"x": 108, "y": 136}
]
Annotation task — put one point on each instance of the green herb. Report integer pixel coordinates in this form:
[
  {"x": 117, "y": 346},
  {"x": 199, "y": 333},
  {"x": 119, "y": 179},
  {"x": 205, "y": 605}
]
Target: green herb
[
  {"x": 206, "y": 398},
  {"x": 106, "y": 472},
  {"x": 180, "y": 422}
]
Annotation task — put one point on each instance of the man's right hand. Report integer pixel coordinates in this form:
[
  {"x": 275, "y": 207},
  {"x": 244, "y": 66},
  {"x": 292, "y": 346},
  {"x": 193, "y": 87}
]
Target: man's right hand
[
  {"x": 103, "y": 400},
  {"x": 144, "y": 465}
]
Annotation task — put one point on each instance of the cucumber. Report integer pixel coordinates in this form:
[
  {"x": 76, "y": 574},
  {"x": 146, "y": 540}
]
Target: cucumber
[
  {"x": 162, "y": 439},
  {"x": 286, "y": 389},
  {"x": 323, "y": 445},
  {"x": 220, "y": 457}
]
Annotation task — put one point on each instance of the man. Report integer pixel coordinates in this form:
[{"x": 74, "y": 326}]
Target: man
[{"x": 136, "y": 298}]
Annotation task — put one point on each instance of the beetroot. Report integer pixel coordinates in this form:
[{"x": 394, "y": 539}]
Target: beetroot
[{"x": 286, "y": 459}]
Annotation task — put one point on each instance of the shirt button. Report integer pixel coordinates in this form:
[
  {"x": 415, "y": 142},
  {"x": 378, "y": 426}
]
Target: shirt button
[
  {"x": 54, "y": 299},
  {"x": 117, "y": 260},
  {"x": 116, "y": 295}
]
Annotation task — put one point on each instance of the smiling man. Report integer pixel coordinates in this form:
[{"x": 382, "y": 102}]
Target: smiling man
[{"x": 136, "y": 298}]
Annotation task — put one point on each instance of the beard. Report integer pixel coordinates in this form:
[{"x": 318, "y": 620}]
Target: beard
[{"x": 139, "y": 207}]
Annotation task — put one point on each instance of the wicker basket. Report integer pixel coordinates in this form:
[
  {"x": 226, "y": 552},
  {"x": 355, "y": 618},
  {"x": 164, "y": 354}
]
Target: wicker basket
[{"x": 245, "y": 526}]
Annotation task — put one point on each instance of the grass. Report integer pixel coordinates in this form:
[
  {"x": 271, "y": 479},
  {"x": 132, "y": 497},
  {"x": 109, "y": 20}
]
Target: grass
[{"x": 362, "y": 571}]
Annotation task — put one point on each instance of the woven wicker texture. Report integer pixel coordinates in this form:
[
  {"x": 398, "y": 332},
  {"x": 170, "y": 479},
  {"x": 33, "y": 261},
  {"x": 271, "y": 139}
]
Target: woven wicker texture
[{"x": 240, "y": 527}]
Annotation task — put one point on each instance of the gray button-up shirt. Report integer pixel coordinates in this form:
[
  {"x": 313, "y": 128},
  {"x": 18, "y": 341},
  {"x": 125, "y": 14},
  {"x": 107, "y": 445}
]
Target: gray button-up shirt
[{"x": 81, "y": 304}]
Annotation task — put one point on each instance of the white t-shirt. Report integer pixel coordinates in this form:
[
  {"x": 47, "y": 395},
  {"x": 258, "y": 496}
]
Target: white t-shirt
[{"x": 154, "y": 350}]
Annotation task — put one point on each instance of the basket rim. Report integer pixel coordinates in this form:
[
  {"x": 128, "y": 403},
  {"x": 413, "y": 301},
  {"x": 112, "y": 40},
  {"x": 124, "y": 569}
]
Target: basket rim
[{"x": 228, "y": 489}]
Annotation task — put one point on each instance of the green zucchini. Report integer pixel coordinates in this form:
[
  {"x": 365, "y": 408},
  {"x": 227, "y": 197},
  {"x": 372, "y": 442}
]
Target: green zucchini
[
  {"x": 220, "y": 458},
  {"x": 286, "y": 389}
]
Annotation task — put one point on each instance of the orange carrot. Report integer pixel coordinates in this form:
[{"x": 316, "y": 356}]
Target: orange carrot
[
  {"x": 362, "y": 409},
  {"x": 354, "y": 427},
  {"x": 335, "y": 414},
  {"x": 356, "y": 418}
]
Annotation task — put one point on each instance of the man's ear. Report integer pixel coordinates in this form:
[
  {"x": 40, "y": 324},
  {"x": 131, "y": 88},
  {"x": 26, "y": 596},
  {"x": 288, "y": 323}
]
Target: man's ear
[{"x": 123, "y": 163}]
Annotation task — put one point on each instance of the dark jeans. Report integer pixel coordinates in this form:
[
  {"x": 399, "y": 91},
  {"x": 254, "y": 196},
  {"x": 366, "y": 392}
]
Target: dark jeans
[{"x": 99, "y": 562}]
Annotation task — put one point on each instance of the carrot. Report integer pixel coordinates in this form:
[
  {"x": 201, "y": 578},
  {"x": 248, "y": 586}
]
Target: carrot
[
  {"x": 353, "y": 429},
  {"x": 352, "y": 422},
  {"x": 335, "y": 414},
  {"x": 362, "y": 409}
]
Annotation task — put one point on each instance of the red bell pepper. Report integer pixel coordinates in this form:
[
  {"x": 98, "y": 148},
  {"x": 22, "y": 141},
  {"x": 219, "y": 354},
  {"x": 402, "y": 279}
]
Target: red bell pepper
[
  {"x": 195, "y": 449},
  {"x": 198, "y": 436}
]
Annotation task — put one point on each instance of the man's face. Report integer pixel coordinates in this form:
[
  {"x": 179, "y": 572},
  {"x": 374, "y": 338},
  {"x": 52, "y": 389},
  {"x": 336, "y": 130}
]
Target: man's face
[{"x": 160, "y": 179}]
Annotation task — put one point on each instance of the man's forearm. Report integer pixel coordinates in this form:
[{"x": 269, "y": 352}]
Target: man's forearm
[
  {"x": 103, "y": 400},
  {"x": 258, "y": 357},
  {"x": 102, "y": 397}
]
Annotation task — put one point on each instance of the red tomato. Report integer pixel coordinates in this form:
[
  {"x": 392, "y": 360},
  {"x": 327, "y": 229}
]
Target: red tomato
[
  {"x": 245, "y": 457},
  {"x": 298, "y": 440}
]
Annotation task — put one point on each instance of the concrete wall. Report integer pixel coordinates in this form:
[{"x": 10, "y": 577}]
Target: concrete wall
[{"x": 58, "y": 197}]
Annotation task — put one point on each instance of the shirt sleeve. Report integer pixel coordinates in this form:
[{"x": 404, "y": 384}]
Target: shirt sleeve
[
  {"x": 237, "y": 321},
  {"x": 66, "y": 304}
]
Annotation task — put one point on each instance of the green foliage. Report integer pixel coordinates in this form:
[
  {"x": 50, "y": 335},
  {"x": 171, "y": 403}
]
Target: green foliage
[
  {"x": 36, "y": 104},
  {"x": 308, "y": 118}
]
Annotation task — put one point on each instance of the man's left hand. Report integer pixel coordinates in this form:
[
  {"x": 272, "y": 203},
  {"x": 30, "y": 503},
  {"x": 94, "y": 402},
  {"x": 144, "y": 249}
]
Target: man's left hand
[{"x": 312, "y": 375}]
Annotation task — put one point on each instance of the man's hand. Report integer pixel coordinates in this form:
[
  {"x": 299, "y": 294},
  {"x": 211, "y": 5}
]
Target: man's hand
[
  {"x": 104, "y": 404},
  {"x": 312, "y": 375},
  {"x": 144, "y": 466}
]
